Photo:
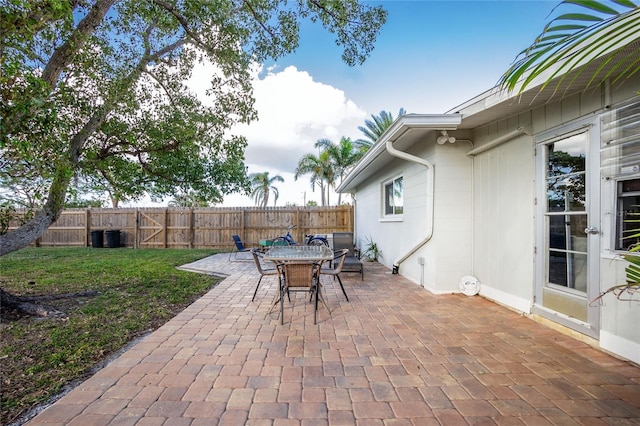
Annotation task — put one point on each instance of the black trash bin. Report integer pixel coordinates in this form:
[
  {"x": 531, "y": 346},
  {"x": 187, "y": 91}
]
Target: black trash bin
[
  {"x": 113, "y": 238},
  {"x": 97, "y": 238}
]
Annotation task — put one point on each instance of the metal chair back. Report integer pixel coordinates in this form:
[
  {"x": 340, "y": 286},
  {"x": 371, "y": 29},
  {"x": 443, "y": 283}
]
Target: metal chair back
[
  {"x": 257, "y": 258},
  {"x": 338, "y": 263}
]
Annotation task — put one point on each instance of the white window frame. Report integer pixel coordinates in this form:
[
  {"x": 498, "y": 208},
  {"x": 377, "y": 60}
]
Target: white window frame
[
  {"x": 395, "y": 215},
  {"x": 619, "y": 216},
  {"x": 620, "y": 161}
]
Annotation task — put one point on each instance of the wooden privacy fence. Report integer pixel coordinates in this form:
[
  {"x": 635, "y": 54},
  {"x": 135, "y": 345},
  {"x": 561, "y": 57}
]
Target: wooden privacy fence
[{"x": 194, "y": 227}]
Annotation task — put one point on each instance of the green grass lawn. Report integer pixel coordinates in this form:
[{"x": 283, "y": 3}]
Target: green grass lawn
[{"x": 137, "y": 291}]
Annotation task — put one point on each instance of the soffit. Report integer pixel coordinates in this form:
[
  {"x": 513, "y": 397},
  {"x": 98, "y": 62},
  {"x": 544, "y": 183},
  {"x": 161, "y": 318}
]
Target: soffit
[{"x": 496, "y": 104}]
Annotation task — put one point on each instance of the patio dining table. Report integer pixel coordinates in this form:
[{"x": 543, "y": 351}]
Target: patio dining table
[{"x": 298, "y": 253}]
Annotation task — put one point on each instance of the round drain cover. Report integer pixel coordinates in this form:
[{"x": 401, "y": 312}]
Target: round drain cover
[{"x": 469, "y": 285}]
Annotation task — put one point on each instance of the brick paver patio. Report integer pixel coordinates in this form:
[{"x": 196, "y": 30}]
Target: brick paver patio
[{"x": 394, "y": 355}]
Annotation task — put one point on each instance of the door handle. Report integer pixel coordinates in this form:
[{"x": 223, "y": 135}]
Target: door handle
[{"x": 591, "y": 230}]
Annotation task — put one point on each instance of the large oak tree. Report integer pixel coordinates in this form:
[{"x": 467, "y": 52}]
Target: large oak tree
[{"x": 95, "y": 91}]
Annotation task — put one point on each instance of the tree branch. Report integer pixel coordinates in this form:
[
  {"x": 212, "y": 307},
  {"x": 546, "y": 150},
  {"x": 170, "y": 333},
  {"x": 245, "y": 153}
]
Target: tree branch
[
  {"x": 253, "y": 13},
  {"x": 183, "y": 22},
  {"x": 63, "y": 55}
]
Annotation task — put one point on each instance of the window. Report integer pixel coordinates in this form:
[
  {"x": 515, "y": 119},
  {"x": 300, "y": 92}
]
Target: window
[
  {"x": 393, "y": 197},
  {"x": 620, "y": 150},
  {"x": 628, "y": 214},
  {"x": 566, "y": 212},
  {"x": 620, "y": 160}
]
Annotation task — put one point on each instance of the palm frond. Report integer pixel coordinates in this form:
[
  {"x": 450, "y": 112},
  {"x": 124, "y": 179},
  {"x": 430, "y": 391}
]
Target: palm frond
[{"x": 572, "y": 40}]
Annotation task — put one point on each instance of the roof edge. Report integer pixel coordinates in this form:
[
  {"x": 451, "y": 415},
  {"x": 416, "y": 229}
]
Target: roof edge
[{"x": 399, "y": 127}]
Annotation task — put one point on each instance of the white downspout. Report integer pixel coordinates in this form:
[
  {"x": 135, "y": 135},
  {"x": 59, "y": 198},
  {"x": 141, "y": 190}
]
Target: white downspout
[{"x": 430, "y": 195}]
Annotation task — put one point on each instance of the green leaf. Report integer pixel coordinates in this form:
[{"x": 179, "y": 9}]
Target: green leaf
[
  {"x": 594, "y": 5},
  {"x": 578, "y": 17},
  {"x": 566, "y": 27},
  {"x": 626, "y": 3}
]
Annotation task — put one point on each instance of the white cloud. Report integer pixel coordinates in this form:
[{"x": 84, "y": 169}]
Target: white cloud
[{"x": 294, "y": 111}]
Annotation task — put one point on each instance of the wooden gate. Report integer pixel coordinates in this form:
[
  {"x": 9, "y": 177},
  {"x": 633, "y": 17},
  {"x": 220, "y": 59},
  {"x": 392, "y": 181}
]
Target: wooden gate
[{"x": 152, "y": 228}]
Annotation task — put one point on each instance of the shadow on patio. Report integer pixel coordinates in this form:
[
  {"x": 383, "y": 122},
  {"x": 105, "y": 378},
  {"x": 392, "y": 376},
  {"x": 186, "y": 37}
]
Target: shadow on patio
[{"x": 395, "y": 351}]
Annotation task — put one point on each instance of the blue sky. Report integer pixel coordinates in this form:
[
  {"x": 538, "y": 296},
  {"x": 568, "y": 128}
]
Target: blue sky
[{"x": 430, "y": 57}]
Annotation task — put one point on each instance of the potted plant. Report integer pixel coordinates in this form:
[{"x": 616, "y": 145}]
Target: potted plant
[{"x": 371, "y": 250}]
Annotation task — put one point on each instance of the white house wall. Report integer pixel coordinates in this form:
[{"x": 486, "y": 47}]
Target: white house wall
[
  {"x": 504, "y": 222},
  {"x": 453, "y": 234},
  {"x": 504, "y": 200},
  {"x": 415, "y": 221},
  {"x": 438, "y": 265},
  {"x": 619, "y": 319},
  {"x": 392, "y": 237}
]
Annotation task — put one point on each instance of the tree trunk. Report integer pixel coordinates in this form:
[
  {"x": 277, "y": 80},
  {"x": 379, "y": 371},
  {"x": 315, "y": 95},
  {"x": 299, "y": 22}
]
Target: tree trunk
[
  {"x": 27, "y": 233},
  {"x": 63, "y": 54},
  {"x": 8, "y": 300}
]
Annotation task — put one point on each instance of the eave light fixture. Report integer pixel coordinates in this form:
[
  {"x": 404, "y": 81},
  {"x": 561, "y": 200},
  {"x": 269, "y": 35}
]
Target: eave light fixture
[{"x": 444, "y": 138}]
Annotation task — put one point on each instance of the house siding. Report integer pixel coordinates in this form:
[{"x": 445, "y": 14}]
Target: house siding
[
  {"x": 453, "y": 230},
  {"x": 394, "y": 237},
  {"x": 503, "y": 240}
]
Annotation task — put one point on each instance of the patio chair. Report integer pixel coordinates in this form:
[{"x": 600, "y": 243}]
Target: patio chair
[
  {"x": 240, "y": 248},
  {"x": 299, "y": 277},
  {"x": 257, "y": 257},
  {"x": 338, "y": 263},
  {"x": 352, "y": 263}
]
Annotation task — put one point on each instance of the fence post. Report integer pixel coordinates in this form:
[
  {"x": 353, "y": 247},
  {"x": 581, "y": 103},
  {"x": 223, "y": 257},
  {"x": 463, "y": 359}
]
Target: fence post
[
  {"x": 191, "y": 230},
  {"x": 297, "y": 223},
  {"x": 136, "y": 232},
  {"x": 242, "y": 221},
  {"x": 87, "y": 226},
  {"x": 166, "y": 227}
]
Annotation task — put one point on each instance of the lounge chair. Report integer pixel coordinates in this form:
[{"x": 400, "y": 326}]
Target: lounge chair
[
  {"x": 240, "y": 248},
  {"x": 352, "y": 263}
]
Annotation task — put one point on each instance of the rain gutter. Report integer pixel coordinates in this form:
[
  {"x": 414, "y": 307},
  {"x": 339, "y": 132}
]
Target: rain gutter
[{"x": 435, "y": 122}]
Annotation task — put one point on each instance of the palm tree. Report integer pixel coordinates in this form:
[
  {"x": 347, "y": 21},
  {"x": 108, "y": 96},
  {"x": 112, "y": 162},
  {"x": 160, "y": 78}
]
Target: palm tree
[
  {"x": 262, "y": 185},
  {"x": 374, "y": 128},
  {"x": 344, "y": 156},
  {"x": 572, "y": 40},
  {"x": 321, "y": 170}
]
